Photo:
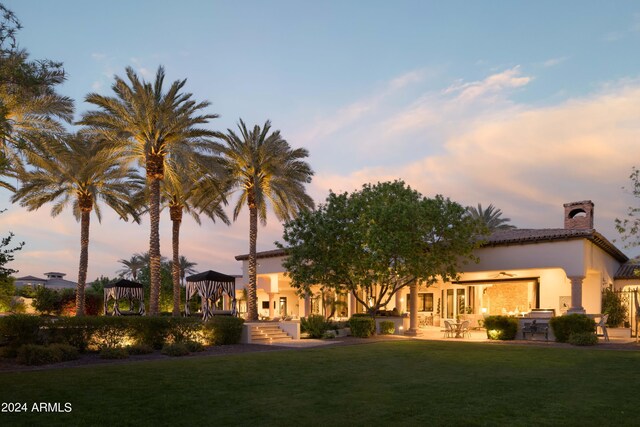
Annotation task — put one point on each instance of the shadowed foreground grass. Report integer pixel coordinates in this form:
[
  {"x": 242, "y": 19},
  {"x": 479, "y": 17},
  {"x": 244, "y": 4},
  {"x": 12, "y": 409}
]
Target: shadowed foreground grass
[{"x": 385, "y": 383}]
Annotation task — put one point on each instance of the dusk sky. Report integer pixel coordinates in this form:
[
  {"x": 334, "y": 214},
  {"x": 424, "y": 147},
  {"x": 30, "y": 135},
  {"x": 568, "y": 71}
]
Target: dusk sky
[{"x": 526, "y": 105}]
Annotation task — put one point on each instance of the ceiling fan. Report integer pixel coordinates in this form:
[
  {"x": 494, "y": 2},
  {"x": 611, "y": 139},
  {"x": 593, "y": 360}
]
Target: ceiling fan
[{"x": 503, "y": 274}]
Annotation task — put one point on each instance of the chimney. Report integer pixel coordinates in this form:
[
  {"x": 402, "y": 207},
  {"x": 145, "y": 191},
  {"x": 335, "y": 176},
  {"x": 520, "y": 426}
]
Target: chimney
[{"x": 578, "y": 215}]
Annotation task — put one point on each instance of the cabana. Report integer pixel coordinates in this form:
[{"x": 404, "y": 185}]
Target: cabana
[
  {"x": 124, "y": 289},
  {"x": 210, "y": 285}
]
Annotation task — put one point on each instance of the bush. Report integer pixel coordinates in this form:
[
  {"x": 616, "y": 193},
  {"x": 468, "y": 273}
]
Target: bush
[
  {"x": 49, "y": 301},
  {"x": 19, "y": 329},
  {"x": 613, "y": 305},
  {"x": 33, "y": 354},
  {"x": 194, "y": 346},
  {"x": 150, "y": 330},
  {"x": 176, "y": 349},
  {"x": 182, "y": 329},
  {"x": 362, "y": 326},
  {"x": 564, "y": 326},
  {"x": 67, "y": 352},
  {"x": 93, "y": 304},
  {"x": 315, "y": 325},
  {"x": 583, "y": 338},
  {"x": 387, "y": 327},
  {"x": 109, "y": 332},
  {"x": 138, "y": 349},
  {"x": 223, "y": 330},
  {"x": 114, "y": 353},
  {"x": 7, "y": 291},
  {"x": 501, "y": 327}
]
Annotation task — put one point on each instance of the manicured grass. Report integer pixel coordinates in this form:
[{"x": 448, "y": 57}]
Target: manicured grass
[{"x": 385, "y": 383}]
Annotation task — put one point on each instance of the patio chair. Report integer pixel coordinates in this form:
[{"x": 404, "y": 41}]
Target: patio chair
[
  {"x": 602, "y": 324},
  {"x": 465, "y": 330},
  {"x": 449, "y": 331}
]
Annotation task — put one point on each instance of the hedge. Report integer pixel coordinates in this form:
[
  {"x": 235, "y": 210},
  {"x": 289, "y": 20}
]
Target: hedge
[
  {"x": 564, "y": 326},
  {"x": 501, "y": 327},
  {"x": 90, "y": 333},
  {"x": 362, "y": 326}
]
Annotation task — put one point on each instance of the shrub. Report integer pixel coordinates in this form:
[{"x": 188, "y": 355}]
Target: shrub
[
  {"x": 362, "y": 326},
  {"x": 564, "y": 326},
  {"x": 114, "y": 353},
  {"x": 19, "y": 329},
  {"x": 109, "y": 332},
  {"x": 613, "y": 305},
  {"x": 315, "y": 325},
  {"x": 33, "y": 354},
  {"x": 194, "y": 346},
  {"x": 138, "y": 349},
  {"x": 387, "y": 327},
  {"x": 182, "y": 329},
  {"x": 150, "y": 330},
  {"x": 501, "y": 327},
  {"x": 175, "y": 349},
  {"x": 583, "y": 338},
  {"x": 93, "y": 304},
  {"x": 67, "y": 352},
  {"x": 7, "y": 291},
  {"x": 223, "y": 330}
]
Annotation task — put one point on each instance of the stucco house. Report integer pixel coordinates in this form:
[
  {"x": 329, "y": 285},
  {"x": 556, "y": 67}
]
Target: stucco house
[
  {"x": 561, "y": 269},
  {"x": 54, "y": 280}
]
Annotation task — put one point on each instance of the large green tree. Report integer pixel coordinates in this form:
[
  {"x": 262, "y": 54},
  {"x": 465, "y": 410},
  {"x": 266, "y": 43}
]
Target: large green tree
[
  {"x": 376, "y": 241},
  {"x": 131, "y": 267},
  {"x": 145, "y": 122},
  {"x": 77, "y": 171},
  {"x": 629, "y": 227},
  {"x": 262, "y": 167},
  {"x": 491, "y": 217}
]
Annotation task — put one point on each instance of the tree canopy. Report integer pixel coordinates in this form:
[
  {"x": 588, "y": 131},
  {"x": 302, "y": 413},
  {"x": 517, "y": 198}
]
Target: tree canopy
[
  {"x": 377, "y": 241},
  {"x": 629, "y": 227},
  {"x": 491, "y": 217}
]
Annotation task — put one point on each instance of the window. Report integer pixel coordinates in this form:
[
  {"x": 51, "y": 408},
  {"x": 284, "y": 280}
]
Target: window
[
  {"x": 425, "y": 301},
  {"x": 265, "y": 305}
]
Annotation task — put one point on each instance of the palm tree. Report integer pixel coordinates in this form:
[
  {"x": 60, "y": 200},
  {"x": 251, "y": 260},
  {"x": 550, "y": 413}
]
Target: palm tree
[
  {"x": 78, "y": 172},
  {"x": 195, "y": 190},
  {"x": 29, "y": 108},
  {"x": 491, "y": 217},
  {"x": 186, "y": 266},
  {"x": 264, "y": 169},
  {"x": 131, "y": 267},
  {"x": 143, "y": 122}
]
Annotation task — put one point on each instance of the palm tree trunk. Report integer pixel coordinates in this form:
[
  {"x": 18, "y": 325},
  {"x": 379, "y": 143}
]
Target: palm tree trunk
[
  {"x": 176, "y": 217},
  {"x": 252, "y": 297},
  {"x": 84, "y": 261},
  {"x": 154, "y": 245}
]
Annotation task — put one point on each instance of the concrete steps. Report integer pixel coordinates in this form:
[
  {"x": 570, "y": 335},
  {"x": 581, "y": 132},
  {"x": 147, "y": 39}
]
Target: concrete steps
[{"x": 268, "y": 334}]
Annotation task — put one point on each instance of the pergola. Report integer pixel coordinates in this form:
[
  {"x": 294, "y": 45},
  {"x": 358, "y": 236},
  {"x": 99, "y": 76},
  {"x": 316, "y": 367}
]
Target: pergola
[
  {"x": 124, "y": 289},
  {"x": 210, "y": 285}
]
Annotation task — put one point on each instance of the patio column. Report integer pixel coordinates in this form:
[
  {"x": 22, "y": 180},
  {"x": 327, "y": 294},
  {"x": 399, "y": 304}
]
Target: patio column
[
  {"x": 307, "y": 305},
  {"x": 271, "y": 303},
  {"x": 353, "y": 303},
  {"x": 399, "y": 302},
  {"x": 576, "y": 295},
  {"x": 413, "y": 319}
]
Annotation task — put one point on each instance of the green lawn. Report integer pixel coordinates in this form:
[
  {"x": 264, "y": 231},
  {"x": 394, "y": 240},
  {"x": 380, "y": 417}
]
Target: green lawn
[{"x": 385, "y": 383}]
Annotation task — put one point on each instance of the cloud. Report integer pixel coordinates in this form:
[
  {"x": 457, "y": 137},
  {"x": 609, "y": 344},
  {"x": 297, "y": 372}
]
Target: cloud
[
  {"x": 98, "y": 56},
  {"x": 552, "y": 62},
  {"x": 526, "y": 160},
  {"x": 493, "y": 84}
]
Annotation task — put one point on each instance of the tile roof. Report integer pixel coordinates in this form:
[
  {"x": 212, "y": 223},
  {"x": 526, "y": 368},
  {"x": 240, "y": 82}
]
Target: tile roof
[{"x": 629, "y": 270}]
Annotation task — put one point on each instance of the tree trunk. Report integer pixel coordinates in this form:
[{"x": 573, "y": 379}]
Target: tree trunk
[
  {"x": 84, "y": 261},
  {"x": 175, "y": 211},
  {"x": 154, "y": 245},
  {"x": 252, "y": 297}
]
